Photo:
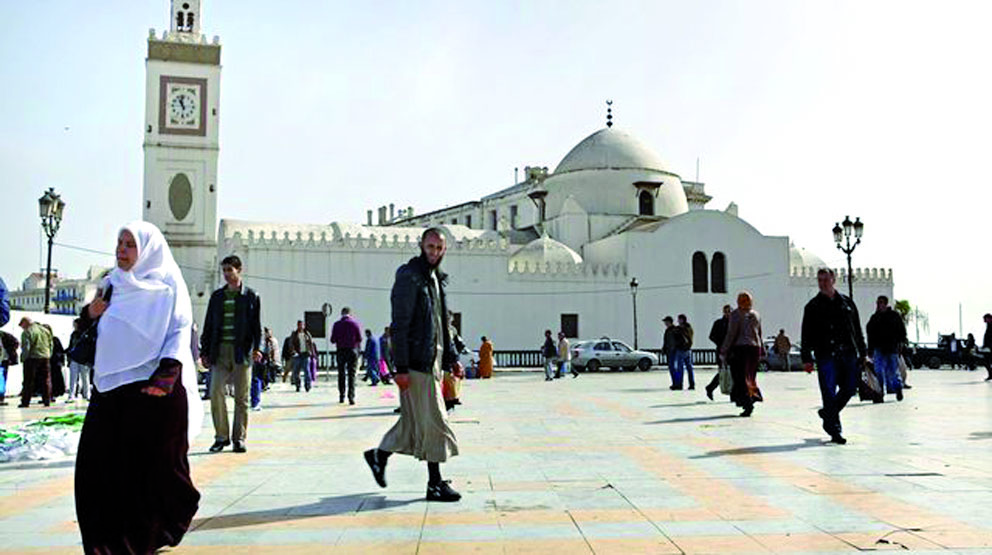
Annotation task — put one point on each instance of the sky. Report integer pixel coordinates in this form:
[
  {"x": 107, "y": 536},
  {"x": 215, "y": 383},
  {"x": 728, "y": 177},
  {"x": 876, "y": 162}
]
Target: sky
[{"x": 801, "y": 112}]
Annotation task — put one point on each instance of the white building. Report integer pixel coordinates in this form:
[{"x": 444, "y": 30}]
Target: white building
[
  {"x": 68, "y": 296},
  {"x": 556, "y": 251}
]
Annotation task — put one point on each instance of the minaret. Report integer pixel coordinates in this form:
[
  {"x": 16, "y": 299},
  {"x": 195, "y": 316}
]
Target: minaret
[{"x": 182, "y": 93}]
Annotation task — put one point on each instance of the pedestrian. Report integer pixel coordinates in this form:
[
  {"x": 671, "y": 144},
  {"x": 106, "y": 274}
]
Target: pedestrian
[
  {"x": 668, "y": 349},
  {"x": 371, "y": 355},
  {"x": 969, "y": 352},
  {"x": 954, "y": 346},
  {"x": 287, "y": 356},
  {"x": 270, "y": 352},
  {"x": 229, "y": 345},
  {"x": 717, "y": 334},
  {"x": 565, "y": 356},
  {"x": 550, "y": 352},
  {"x": 79, "y": 371},
  {"x": 987, "y": 344},
  {"x": 683, "y": 351},
  {"x": 451, "y": 384},
  {"x": 782, "y": 346},
  {"x": 36, "y": 354},
  {"x": 8, "y": 357},
  {"x": 742, "y": 346},
  {"x": 886, "y": 334},
  {"x": 4, "y": 304},
  {"x": 422, "y": 350},
  {"x": 486, "y": 358},
  {"x": 300, "y": 346},
  {"x": 347, "y": 336},
  {"x": 831, "y": 332},
  {"x": 56, "y": 364},
  {"x": 258, "y": 370},
  {"x": 133, "y": 488},
  {"x": 386, "y": 350}
]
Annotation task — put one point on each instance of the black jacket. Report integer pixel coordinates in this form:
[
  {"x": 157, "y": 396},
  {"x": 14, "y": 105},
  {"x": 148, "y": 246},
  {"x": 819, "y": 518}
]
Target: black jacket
[
  {"x": 719, "y": 331},
  {"x": 683, "y": 337},
  {"x": 412, "y": 329},
  {"x": 987, "y": 340},
  {"x": 886, "y": 332},
  {"x": 831, "y": 327},
  {"x": 668, "y": 340},
  {"x": 247, "y": 325}
]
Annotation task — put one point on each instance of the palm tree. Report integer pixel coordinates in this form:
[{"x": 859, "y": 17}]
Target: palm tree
[{"x": 913, "y": 315}]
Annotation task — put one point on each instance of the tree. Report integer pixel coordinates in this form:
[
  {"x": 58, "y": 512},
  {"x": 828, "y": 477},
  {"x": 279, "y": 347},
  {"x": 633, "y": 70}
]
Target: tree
[{"x": 913, "y": 315}]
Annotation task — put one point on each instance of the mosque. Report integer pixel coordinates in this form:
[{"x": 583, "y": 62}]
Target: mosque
[{"x": 559, "y": 250}]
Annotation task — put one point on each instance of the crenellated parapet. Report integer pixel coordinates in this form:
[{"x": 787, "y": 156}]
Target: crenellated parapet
[
  {"x": 558, "y": 270},
  {"x": 863, "y": 275}
]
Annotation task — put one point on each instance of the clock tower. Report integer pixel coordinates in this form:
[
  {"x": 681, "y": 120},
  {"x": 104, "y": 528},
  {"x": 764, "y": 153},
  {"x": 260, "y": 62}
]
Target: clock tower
[{"x": 182, "y": 92}]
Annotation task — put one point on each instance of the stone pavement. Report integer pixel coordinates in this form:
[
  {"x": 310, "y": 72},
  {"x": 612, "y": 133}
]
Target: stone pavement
[{"x": 607, "y": 463}]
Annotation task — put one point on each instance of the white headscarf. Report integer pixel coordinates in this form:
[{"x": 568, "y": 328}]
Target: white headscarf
[{"x": 149, "y": 318}]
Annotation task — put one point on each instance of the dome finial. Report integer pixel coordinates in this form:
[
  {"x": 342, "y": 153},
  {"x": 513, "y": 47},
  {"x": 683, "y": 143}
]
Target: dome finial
[{"x": 609, "y": 113}]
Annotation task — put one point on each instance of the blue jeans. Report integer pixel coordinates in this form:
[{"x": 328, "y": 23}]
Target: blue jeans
[
  {"x": 887, "y": 370},
  {"x": 838, "y": 378},
  {"x": 673, "y": 369},
  {"x": 256, "y": 391},
  {"x": 372, "y": 370},
  {"x": 301, "y": 363},
  {"x": 683, "y": 364},
  {"x": 565, "y": 366}
]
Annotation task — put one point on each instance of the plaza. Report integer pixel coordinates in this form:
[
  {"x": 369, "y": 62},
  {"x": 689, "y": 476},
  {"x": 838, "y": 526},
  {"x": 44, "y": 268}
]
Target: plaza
[{"x": 611, "y": 462}]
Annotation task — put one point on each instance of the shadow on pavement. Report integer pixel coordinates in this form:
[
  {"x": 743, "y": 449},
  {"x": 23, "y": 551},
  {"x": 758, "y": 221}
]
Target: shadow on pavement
[
  {"x": 692, "y": 404},
  {"x": 763, "y": 449},
  {"x": 346, "y": 415},
  {"x": 694, "y": 419},
  {"x": 980, "y": 435},
  {"x": 328, "y": 506}
]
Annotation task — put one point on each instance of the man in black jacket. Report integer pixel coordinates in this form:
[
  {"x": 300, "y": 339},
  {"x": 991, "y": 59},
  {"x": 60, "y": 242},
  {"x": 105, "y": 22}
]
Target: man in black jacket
[
  {"x": 831, "y": 331},
  {"x": 232, "y": 332},
  {"x": 886, "y": 334},
  {"x": 717, "y": 333},
  {"x": 987, "y": 344},
  {"x": 668, "y": 348},
  {"x": 422, "y": 351}
]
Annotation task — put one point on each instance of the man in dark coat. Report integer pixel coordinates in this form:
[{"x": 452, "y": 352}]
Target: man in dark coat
[
  {"x": 668, "y": 348},
  {"x": 717, "y": 333},
  {"x": 987, "y": 344},
  {"x": 886, "y": 335},
  {"x": 422, "y": 350},
  {"x": 831, "y": 331}
]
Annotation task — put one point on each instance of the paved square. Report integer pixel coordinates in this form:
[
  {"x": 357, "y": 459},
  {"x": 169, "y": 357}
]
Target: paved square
[{"x": 607, "y": 463}]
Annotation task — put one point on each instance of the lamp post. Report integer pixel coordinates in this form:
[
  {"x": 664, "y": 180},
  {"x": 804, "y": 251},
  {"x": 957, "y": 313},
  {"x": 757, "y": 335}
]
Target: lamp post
[
  {"x": 633, "y": 296},
  {"x": 50, "y": 208},
  {"x": 842, "y": 236}
]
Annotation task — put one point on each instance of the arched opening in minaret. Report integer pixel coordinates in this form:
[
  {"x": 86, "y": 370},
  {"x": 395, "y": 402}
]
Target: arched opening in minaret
[
  {"x": 189, "y": 21},
  {"x": 180, "y": 21},
  {"x": 645, "y": 203}
]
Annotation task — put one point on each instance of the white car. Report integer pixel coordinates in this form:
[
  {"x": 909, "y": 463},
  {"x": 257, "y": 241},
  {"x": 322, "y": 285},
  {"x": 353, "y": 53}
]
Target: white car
[{"x": 609, "y": 353}]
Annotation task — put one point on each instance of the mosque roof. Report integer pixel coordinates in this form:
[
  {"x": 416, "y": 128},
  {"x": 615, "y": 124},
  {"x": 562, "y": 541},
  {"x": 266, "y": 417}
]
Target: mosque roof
[
  {"x": 611, "y": 148},
  {"x": 544, "y": 250},
  {"x": 802, "y": 258}
]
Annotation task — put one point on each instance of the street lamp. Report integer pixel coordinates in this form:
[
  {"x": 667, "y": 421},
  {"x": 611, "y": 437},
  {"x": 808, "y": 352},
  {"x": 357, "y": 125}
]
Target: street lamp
[
  {"x": 633, "y": 296},
  {"x": 842, "y": 236},
  {"x": 50, "y": 208}
]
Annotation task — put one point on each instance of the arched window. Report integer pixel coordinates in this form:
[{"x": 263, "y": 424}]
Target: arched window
[
  {"x": 645, "y": 203},
  {"x": 189, "y": 21},
  {"x": 699, "y": 272},
  {"x": 719, "y": 279},
  {"x": 180, "y": 21}
]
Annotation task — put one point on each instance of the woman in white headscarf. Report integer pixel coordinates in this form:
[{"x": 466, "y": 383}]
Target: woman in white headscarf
[{"x": 134, "y": 493}]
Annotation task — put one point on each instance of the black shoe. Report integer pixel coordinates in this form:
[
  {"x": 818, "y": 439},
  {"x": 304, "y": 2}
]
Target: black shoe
[
  {"x": 22, "y": 406},
  {"x": 239, "y": 447},
  {"x": 747, "y": 412},
  {"x": 907, "y": 386},
  {"x": 442, "y": 492},
  {"x": 899, "y": 395},
  {"x": 575, "y": 375},
  {"x": 351, "y": 401},
  {"x": 397, "y": 410},
  {"x": 341, "y": 400},
  {"x": 378, "y": 470},
  {"x": 219, "y": 446},
  {"x": 878, "y": 401},
  {"x": 709, "y": 392},
  {"x": 838, "y": 439}
]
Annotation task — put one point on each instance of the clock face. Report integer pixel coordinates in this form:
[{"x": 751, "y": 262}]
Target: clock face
[{"x": 183, "y": 106}]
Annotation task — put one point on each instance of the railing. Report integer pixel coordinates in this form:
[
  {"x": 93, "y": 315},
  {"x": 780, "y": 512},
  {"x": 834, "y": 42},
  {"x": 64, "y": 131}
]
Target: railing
[
  {"x": 699, "y": 356},
  {"x": 519, "y": 359}
]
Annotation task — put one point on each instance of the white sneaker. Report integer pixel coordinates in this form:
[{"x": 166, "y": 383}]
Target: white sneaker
[{"x": 257, "y": 409}]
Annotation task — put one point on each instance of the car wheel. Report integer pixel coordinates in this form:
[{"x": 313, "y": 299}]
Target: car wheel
[
  {"x": 763, "y": 366},
  {"x": 933, "y": 363},
  {"x": 644, "y": 364},
  {"x": 592, "y": 365}
]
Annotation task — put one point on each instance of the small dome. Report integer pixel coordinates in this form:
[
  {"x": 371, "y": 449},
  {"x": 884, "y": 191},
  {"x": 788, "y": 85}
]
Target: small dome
[
  {"x": 611, "y": 149},
  {"x": 802, "y": 258},
  {"x": 542, "y": 251}
]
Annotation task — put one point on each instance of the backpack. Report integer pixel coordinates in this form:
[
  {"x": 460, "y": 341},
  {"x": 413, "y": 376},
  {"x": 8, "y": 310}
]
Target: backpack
[{"x": 10, "y": 346}]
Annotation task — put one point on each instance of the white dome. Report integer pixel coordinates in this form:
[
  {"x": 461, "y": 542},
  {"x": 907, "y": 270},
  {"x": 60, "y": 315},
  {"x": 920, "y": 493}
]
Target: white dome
[
  {"x": 802, "y": 258},
  {"x": 542, "y": 251},
  {"x": 611, "y": 149}
]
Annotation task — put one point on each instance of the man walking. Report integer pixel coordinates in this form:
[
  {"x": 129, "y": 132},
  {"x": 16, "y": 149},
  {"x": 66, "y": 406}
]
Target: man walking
[
  {"x": 422, "y": 350},
  {"x": 232, "y": 332},
  {"x": 565, "y": 356},
  {"x": 782, "y": 346},
  {"x": 347, "y": 336},
  {"x": 717, "y": 334},
  {"x": 886, "y": 334},
  {"x": 831, "y": 331},
  {"x": 683, "y": 351},
  {"x": 36, "y": 354},
  {"x": 987, "y": 344},
  {"x": 668, "y": 349},
  {"x": 301, "y": 347},
  {"x": 550, "y": 352},
  {"x": 79, "y": 371},
  {"x": 371, "y": 355}
]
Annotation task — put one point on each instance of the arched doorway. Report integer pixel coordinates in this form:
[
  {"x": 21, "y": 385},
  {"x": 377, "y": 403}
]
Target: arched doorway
[{"x": 645, "y": 201}]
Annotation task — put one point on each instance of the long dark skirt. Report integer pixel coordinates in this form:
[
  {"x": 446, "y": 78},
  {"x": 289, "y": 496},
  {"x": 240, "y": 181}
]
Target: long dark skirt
[
  {"x": 133, "y": 489},
  {"x": 744, "y": 370}
]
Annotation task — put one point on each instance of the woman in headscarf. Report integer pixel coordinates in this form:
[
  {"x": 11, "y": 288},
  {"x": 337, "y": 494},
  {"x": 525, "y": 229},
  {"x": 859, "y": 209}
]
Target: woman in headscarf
[
  {"x": 742, "y": 347},
  {"x": 134, "y": 493}
]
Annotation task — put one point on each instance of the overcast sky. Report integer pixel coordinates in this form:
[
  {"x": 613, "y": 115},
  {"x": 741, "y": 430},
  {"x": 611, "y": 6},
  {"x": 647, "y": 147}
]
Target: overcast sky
[{"x": 801, "y": 112}]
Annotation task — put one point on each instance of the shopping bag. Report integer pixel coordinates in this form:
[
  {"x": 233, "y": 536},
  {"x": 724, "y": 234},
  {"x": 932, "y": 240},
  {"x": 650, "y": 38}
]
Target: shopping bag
[
  {"x": 726, "y": 381},
  {"x": 868, "y": 387},
  {"x": 448, "y": 386},
  {"x": 902, "y": 369}
]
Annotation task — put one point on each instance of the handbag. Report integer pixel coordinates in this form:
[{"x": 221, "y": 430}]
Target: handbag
[{"x": 726, "y": 380}]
